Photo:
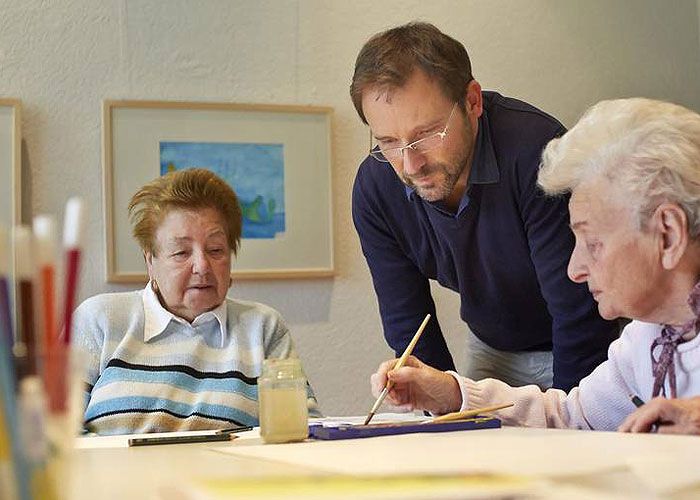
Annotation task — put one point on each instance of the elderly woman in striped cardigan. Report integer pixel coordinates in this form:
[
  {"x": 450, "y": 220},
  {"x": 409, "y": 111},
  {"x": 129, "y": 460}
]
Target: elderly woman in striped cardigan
[{"x": 179, "y": 354}]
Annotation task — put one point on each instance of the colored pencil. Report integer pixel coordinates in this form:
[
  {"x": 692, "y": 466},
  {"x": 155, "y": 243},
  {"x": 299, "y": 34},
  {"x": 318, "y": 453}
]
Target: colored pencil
[
  {"x": 5, "y": 298},
  {"x": 26, "y": 344},
  {"x": 9, "y": 425},
  {"x": 45, "y": 236},
  {"x": 72, "y": 237}
]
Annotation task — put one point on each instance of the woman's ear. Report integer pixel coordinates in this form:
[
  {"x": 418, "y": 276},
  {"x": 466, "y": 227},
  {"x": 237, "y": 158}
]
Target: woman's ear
[
  {"x": 148, "y": 258},
  {"x": 673, "y": 226}
]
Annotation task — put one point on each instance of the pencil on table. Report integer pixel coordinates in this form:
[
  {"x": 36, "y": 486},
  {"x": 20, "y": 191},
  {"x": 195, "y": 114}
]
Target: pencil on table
[{"x": 406, "y": 353}]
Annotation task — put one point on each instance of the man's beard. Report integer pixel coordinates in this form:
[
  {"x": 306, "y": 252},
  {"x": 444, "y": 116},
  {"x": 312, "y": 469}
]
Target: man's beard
[
  {"x": 449, "y": 171},
  {"x": 443, "y": 185}
]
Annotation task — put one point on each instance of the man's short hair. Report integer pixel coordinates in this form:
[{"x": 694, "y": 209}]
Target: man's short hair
[{"x": 389, "y": 58}]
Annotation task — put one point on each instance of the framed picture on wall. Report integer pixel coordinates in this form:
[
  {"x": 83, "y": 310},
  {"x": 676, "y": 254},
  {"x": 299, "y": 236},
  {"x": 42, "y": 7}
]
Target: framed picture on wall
[
  {"x": 10, "y": 178},
  {"x": 276, "y": 158}
]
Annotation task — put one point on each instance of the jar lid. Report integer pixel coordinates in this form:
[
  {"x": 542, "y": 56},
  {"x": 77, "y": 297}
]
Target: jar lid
[{"x": 287, "y": 368}]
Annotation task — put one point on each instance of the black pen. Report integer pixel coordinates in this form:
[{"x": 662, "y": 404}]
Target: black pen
[
  {"x": 196, "y": 438},
  {"x": 231, "y": 430},
  {"x": 637, "y": 401}
]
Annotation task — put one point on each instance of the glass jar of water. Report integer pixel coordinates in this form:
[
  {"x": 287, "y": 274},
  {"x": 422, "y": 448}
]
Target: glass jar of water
[{"x": 282, "y": 397}]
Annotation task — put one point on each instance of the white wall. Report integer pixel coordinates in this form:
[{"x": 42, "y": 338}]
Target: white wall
[{"x": 63, "y": 57}]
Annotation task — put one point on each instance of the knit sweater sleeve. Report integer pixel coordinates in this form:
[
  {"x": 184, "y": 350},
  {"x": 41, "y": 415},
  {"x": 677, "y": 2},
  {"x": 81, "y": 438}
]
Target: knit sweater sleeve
[
  {"x": 88, "y": 337},
  {"x": 600, "y": 402}
]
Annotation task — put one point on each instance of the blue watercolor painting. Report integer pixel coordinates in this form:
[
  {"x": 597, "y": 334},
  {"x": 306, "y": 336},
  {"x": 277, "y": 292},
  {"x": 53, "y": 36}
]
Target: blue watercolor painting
[{"x": 254, "y": 171}]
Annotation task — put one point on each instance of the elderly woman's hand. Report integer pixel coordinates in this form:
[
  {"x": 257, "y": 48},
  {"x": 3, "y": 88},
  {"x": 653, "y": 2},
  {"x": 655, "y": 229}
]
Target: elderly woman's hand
[
  {"x": 673, "y": 416},
  {"x": 418, "y": 386}
]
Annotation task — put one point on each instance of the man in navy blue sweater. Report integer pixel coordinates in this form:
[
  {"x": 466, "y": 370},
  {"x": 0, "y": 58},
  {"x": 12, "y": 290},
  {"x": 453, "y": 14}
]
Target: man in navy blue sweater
[{"x": 449, "y": 193}]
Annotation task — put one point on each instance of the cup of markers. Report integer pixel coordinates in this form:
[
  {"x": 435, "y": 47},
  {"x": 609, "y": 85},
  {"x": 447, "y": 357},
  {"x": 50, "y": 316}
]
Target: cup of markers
[{"x": 47, "y": 373}]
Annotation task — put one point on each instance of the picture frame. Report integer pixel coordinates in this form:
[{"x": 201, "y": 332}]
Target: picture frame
[
  {"x": 10, "y": 169},
  {"x": 276, "y": 157}
]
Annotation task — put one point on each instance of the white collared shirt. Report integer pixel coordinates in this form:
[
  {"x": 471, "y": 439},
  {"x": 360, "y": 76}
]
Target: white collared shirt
[{"x": 157, "y": 317}]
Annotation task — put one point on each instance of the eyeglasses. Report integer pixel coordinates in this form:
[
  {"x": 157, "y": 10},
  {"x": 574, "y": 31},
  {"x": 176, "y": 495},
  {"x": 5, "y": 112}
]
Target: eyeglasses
[{"x": 431, "y": 142}]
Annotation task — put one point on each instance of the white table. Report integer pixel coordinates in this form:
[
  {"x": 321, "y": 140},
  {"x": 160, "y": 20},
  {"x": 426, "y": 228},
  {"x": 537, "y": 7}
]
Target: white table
[{"x": 602, "y": 465}]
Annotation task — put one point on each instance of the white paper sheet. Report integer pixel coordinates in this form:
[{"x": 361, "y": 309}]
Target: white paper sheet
[
  {"x": 529, "y": 452},
  {"x": 379, "y": 418}
]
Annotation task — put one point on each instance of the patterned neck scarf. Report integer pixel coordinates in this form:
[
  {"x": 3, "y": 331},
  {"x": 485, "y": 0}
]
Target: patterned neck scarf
[{"x": 664, "y": 366}]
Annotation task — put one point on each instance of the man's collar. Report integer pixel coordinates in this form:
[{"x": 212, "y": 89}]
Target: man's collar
[
  {"x": 484, "y": 169},
  {"x": 157, "y": 318}
]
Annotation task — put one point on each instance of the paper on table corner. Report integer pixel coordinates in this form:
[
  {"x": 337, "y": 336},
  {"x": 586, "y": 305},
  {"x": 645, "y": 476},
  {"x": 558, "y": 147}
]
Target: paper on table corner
[{"x": 379, "y": 418}]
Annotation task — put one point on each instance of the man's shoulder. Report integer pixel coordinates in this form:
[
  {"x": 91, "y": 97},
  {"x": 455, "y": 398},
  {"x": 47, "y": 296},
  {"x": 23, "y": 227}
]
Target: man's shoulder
[
  {"x": 506, "y": 108},
  {"x": 518, "y": 132},
  {"x": 519, "y": 124}
]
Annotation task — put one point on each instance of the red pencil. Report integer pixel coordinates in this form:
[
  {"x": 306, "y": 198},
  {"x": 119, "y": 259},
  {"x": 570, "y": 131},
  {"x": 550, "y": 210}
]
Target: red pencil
[
  {"x": 45, "y": 237},
  {"x": 72, "y": 234},
  {"x": 55, "y": 353}
]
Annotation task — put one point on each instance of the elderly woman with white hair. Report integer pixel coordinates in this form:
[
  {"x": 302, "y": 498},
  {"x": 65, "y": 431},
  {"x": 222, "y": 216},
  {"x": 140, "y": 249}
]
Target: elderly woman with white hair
[{"x": 632, "y": 167}]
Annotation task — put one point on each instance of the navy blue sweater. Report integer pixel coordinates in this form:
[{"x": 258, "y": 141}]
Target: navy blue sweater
[{"x": 505, "y": 251}]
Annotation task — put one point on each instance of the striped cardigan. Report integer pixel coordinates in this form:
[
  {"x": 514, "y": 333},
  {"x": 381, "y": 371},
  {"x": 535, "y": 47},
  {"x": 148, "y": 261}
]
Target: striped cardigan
[{"x": 185, "y": 377}]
